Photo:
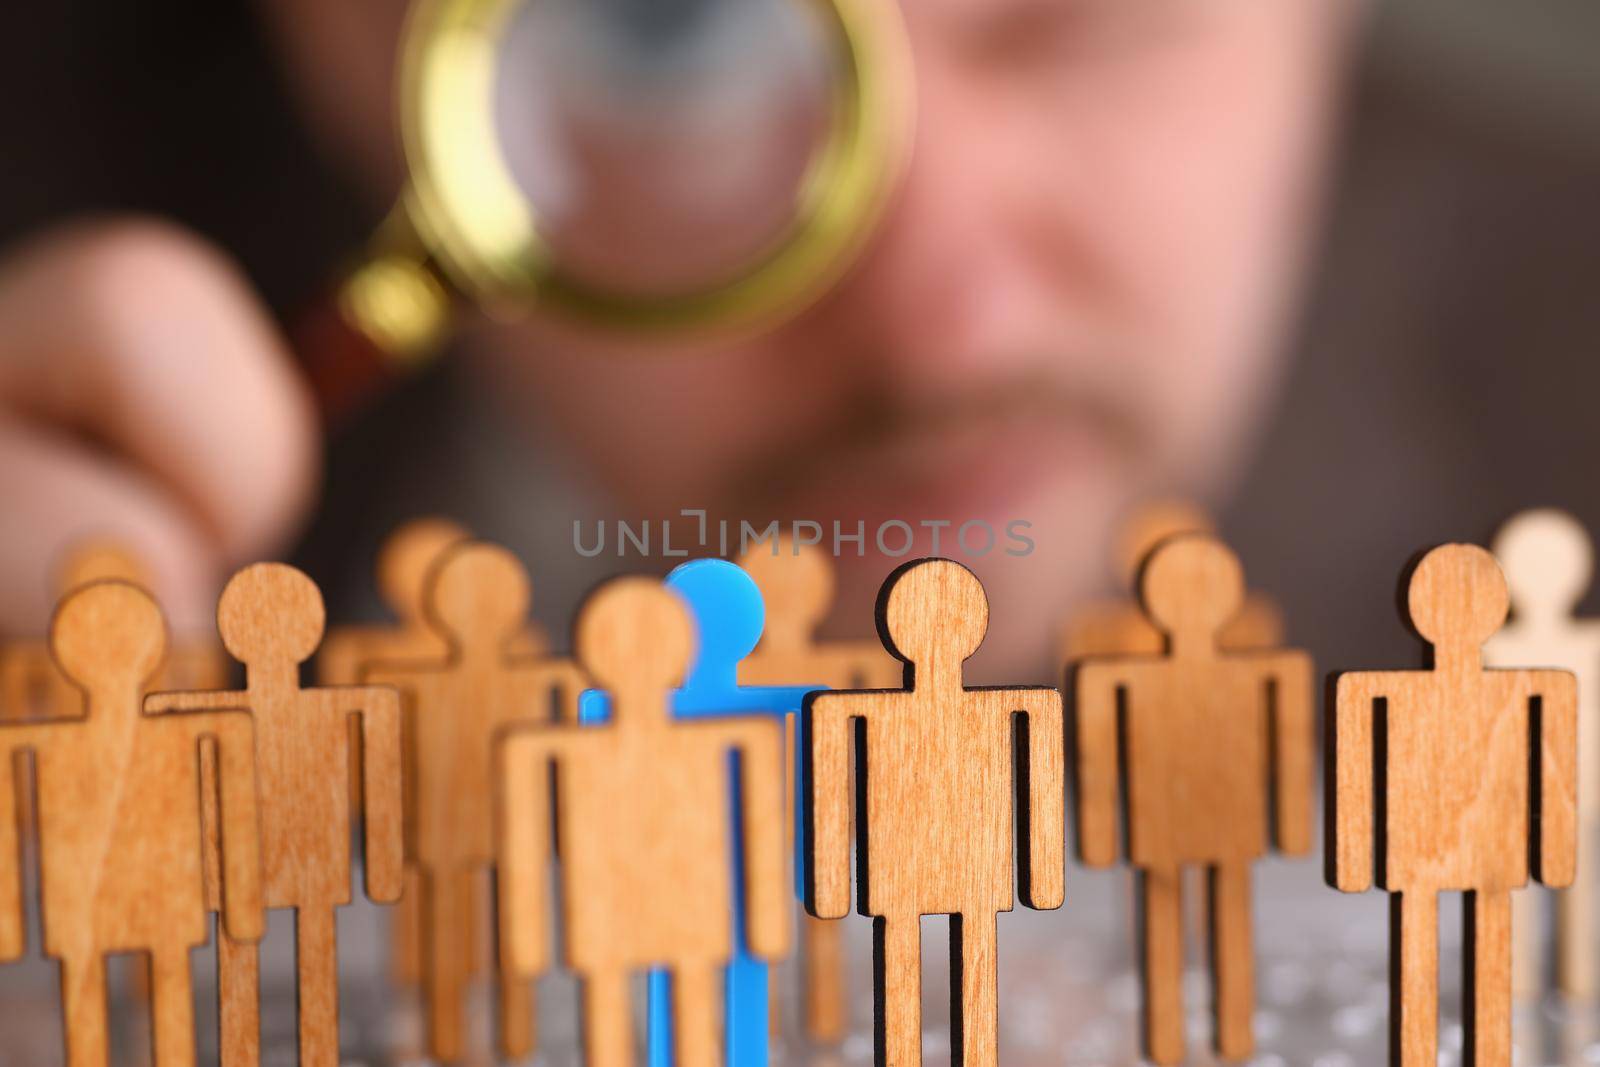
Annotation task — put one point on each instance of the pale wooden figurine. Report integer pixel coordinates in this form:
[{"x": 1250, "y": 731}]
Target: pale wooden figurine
[
  {"x": 1115, "y": 627},
  {"x": 119, "y": 811},
  {"x": 32, "y": 687},
  {"x": 1548, "y": 560},
  {"x": 935, "y": 833},
  {"x": 271, "y": 619},
  {"x": 404, "y": 560},
  {"x": 1191, "y": 726},
  {"x": 797, "y": 584},
  {"x": 1455, "y": 806},
  {"x": 642, "y": 808},
  {"x": 457, "y": 704}
]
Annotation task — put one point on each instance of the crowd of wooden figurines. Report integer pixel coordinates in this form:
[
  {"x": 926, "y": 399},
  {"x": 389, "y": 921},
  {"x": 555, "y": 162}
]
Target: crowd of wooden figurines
[{"x": 700, "y": 718}]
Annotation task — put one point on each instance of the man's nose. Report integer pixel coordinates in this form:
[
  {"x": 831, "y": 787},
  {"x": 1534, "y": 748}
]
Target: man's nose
[{"x": 972, "y": 266}]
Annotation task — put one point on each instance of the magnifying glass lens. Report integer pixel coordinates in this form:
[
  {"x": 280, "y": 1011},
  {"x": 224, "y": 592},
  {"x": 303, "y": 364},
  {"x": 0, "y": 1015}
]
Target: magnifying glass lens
[{"x": 663, "y": 144}]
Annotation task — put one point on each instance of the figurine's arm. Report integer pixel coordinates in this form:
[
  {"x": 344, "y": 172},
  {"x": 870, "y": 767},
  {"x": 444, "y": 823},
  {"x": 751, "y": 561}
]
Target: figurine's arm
[
  {"x": 761, "y": 797},
  {"x": 523, "y": 849},
  {"x": 204, "y": 700},
  {"x": 563, "y": 677},
  {"x": 240, "y": 835},
  {"x": 13, "y": 934},
  {"x": 339, "y": 659},
  {"x": 20, "y": 665},
  {"x": 1095, "y": 688},
  {"x": 825, "y": 778},
  {"x": 1293, "y": 709},
  {"x": 1350, "y": 838},
  {"x": 1556, "y": 850},
  {"x": 1041, "y": 798},
  {"x": 378, "y": 709}
]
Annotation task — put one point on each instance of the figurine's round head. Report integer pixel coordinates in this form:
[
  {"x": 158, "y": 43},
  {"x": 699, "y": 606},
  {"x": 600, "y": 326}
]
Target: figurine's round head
[
  {"x": 1457, "y": 596},
  {"x": 478, "y": 592},
  {"x": 1154, "y": 522},
  {"x": 108, "y": 635},
  {"x": 634, "y": 635},
  {"x": 726, "y": 605},
  {"x": 406, "y": 558},
  {"x": 1191, "y": 583},
  {"x": 1548, "y": 561},
  {"x": 933, "y": 609},
  {"x": 796, "y": 579},
  {"x": 271, "y": 613}
]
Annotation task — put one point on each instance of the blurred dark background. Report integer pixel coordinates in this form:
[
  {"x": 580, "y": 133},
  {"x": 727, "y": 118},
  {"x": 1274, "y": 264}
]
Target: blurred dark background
[{"x": 1445, "y": 376}]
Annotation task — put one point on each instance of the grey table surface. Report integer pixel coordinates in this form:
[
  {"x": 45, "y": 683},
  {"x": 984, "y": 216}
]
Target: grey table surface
[{"x": 1069, "y": 990}]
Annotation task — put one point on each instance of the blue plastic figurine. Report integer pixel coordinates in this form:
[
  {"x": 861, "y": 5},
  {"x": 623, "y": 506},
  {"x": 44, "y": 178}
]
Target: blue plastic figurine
[{"x": 729, "y": 616}]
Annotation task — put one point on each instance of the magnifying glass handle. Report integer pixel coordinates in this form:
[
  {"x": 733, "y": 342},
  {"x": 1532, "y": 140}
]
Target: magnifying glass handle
[{"x": 386, "y": 321}]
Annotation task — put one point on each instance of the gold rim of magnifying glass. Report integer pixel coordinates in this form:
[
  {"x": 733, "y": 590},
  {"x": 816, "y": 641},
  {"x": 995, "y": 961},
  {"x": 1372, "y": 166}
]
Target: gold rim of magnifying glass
[{"x": 473, "y": 216}]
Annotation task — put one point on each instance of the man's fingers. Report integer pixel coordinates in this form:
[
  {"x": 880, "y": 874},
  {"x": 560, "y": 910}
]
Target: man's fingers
[
  {"x": 59, "y": 495},
  {"x": 150, "y": 344}
]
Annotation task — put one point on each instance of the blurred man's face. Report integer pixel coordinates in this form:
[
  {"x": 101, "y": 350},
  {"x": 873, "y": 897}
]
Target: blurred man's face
[{"x": 1075, "y": 301}]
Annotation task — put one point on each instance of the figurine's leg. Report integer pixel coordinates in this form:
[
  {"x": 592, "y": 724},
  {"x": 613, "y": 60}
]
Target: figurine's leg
[
  {"x": 823, "y": 964},
  {"x": 405, "y": 939},
  {"x": 238, "y": 1000},
  {"x": 515, "y": 1003},
  {"x": 975, "y": 1009},
  {"x": 1528, "y": 942},
  {"x": 317, "y": 963},
  {"x": 1488, "y": 979},
  {"x": 1233, "y": 960},
  {"x": 607, "y": 1026},
  {"x": 658, "y": 1019},
  {"x": 694, "y": 1015},
  {"x": 1161, "y": 926},
  {"x": 1414, "y": 1008},
  {"x": 897, "y": 969},
  {"x": 745, "y": 1009},
  {"x": 83, "y": 1010},
  {"x": 172, "y": 1008},
  {"x": 445, "y": 956},
  {"x": 1575, "y": 926}
]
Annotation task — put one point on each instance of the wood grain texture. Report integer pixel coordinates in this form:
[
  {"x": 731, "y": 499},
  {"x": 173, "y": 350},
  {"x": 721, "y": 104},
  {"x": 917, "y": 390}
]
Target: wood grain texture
[
  {"x": 456, "y": 705},
  {"x": 1207, "y": 738},
  {"x": 120, "y": 824},
  {"x": 642, "y": 805},
  {"x": 1548, "y": 559},
  {"x": 271, "y": 619},
  {"x": 935, "y": 833},
  {"x": 1431, "y": 791},
  {"x": 1118, "y": 626},
  {"x": 797, "y": 584},
  {"x": 32, "y": 687},
  {"x": 404, "y": 562}
]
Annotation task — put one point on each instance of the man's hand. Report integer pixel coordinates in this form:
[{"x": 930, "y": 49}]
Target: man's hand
[{"x": 145, "y": 396}]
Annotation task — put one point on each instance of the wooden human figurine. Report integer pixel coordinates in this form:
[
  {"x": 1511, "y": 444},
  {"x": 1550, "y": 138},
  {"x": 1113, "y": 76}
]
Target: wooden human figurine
[
  {"x": 404, "y": 560},
  {"x": 119, "y": 810},
  {"x": 726, "y": 610},
  {"x": 1548, "y": 561},
  {"x": 642, "y": 804},
  {"x": 1116, "y": 627},
  {"x": 935, "y": 825},
  {"x": 271, "y": 619},
  {"x": 1193, "y": 722},
  {"x": 403, "y": 564},
  {"x": 32, "y": 687},
  {"x": 457, "y": 704},
  {"x": 796, "y": 581},
  {"x": 1454, "y": 802}
]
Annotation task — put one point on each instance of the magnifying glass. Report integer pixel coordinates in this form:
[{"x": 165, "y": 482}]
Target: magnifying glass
[{"x": 645, "y": 166}]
